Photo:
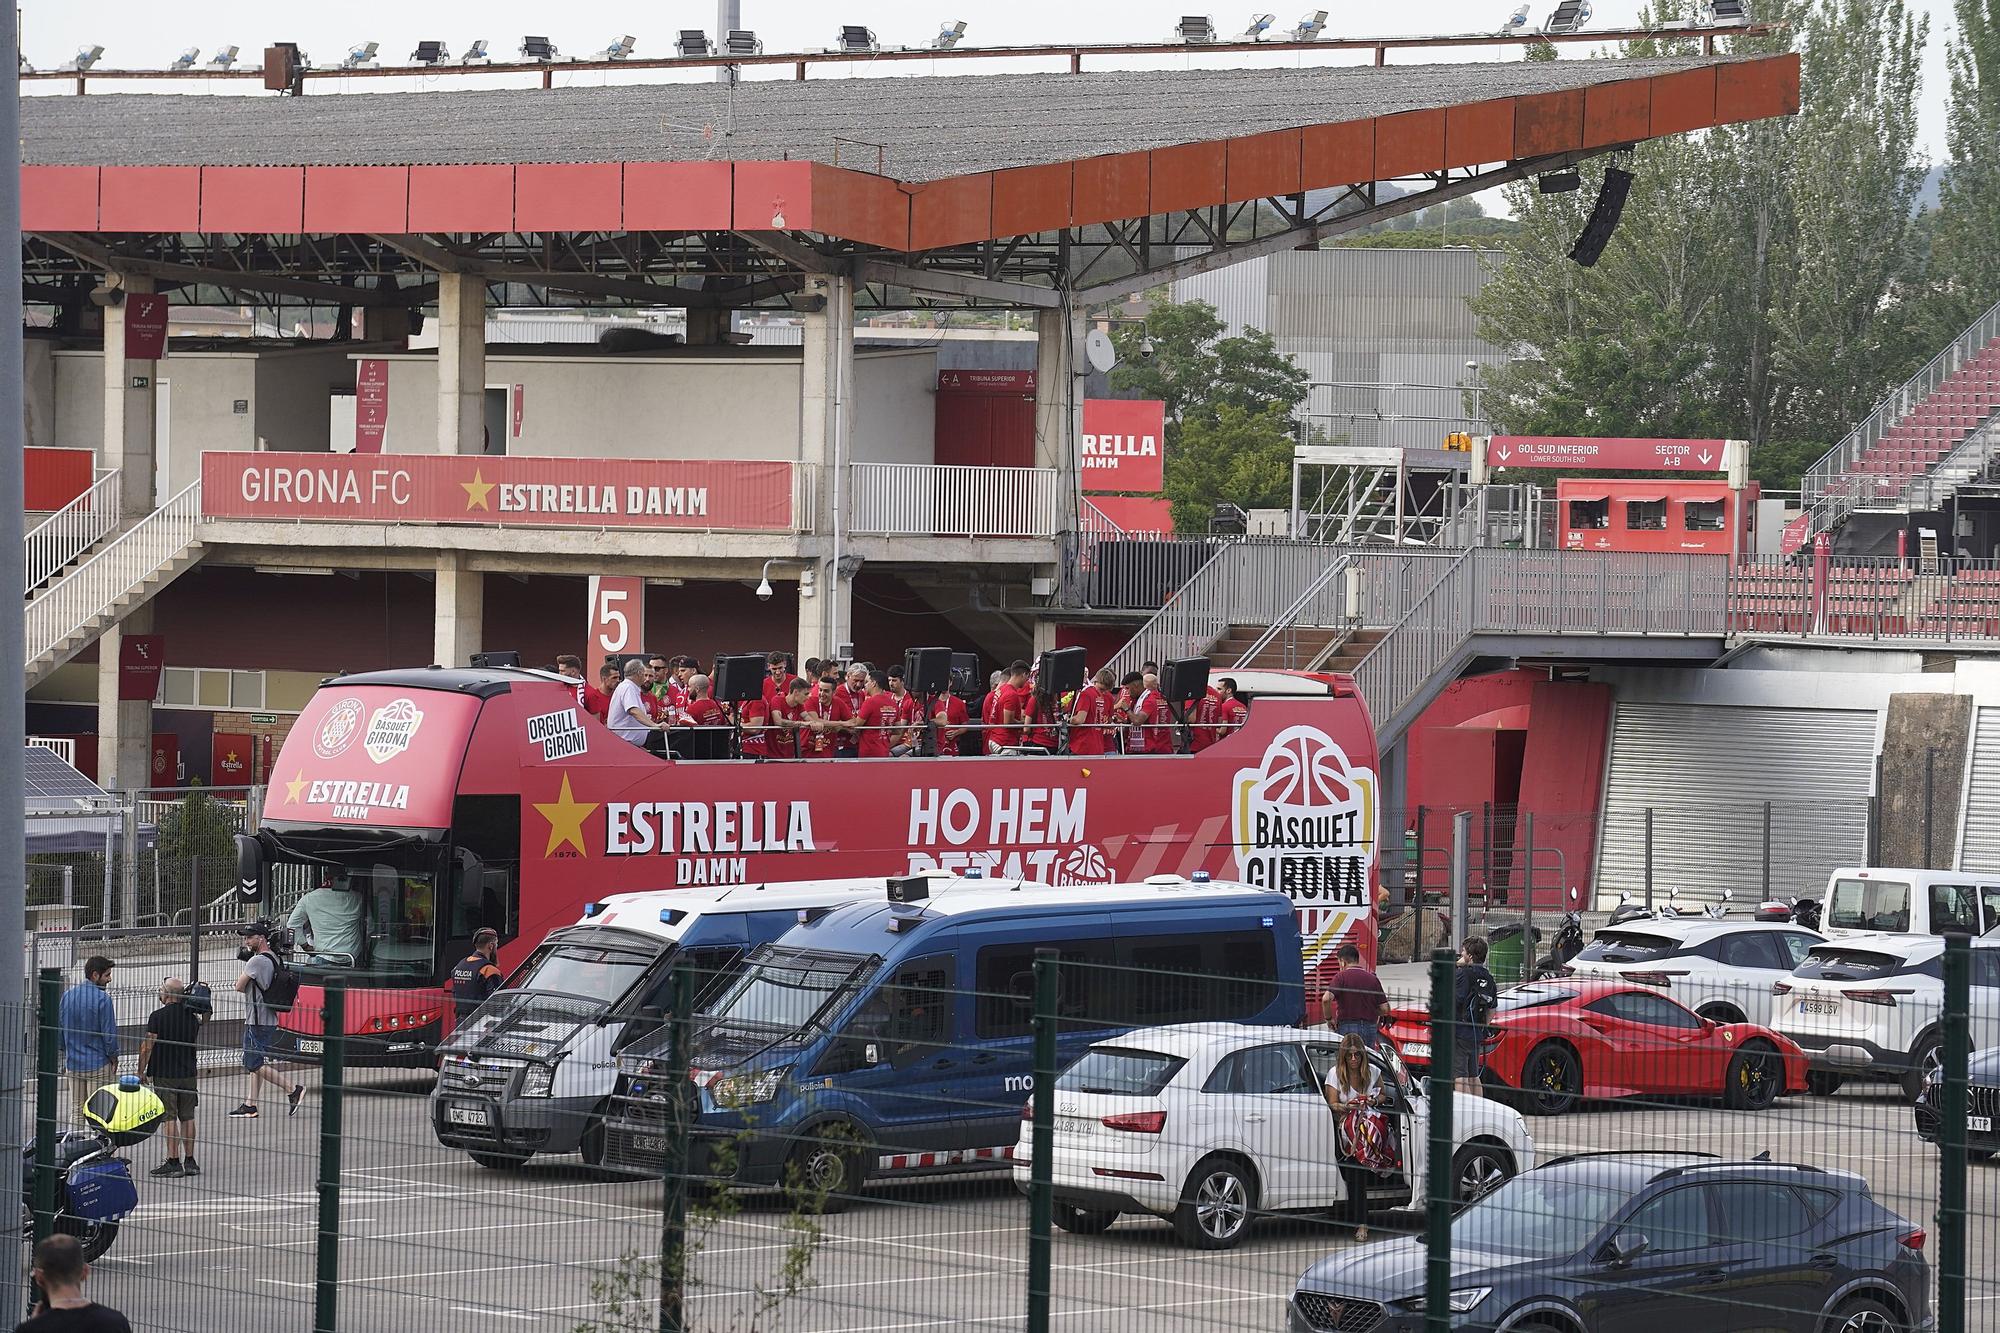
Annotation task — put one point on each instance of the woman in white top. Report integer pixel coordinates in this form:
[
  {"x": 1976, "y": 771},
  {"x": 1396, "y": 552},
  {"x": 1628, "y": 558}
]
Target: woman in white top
[{"x": 1354, "y": 1091}]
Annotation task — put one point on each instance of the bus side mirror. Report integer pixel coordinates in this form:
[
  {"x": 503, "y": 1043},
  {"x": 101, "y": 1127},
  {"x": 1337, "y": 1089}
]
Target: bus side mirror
[{"x": 249, "y": 868}]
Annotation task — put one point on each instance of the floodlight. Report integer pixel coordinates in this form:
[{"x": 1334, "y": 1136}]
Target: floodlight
[
  {"x": 224, "y": 57},
  {"x": 86, "y": 56},
  {"x": 622, "y": 47},
  {"x": 1259, "y": 24},
  {"x": 429, "y": 53},
  {"x": 742, "y": 42},
  {"x": 538, "y": 49},
  {"x": 186, "y": 59},
  {"x": 1516, "y": 20},
  {"x": 1726, "y": 11},
  {"x": 1196, "y": 28},
  {"x": 361, "y": 55},
  {"x": 948, "y": 35},
  {"x": 475, "y": 54},
  {"x": 1567, "y": 16},
  {"x": 1310, "y": 26},
  {"x": 855, "y": 38},
  {"x": 693, "y": 42}
]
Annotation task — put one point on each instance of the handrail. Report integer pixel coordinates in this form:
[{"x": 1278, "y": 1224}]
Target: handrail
[
  {"x": 1288, "y": 619},
  {"x": 73, "y": 529},
  {"x": 70, "y": 603},
  {"x": 1164, "y": 626}
]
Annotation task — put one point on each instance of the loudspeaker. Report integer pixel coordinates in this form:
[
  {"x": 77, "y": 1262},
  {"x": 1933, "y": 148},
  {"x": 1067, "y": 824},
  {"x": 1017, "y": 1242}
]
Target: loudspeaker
[
  {"x": 740, "y": 676},
  {"x": 1061, "y": 672},
  {"x": 927, "y": 671},
  {"x": 1184, "y": 679},
  {"x": 965, "y": 674},
  {"x": 1603, "y": 218},
  {"x": 488, "y": 661}
]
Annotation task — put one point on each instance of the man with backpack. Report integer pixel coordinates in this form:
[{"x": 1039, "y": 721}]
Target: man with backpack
[
  {"x": 1474, "y": 996},
  {"x": 269, "y": 988}
]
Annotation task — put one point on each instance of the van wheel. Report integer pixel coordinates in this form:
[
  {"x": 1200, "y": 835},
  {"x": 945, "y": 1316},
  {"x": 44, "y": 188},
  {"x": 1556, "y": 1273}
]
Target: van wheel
[
  {"x": 1927, "y": 1055},
  {"x": 592, "y": 1144},
  {"x": 1823, "y": 1083},
  {"x": 1755, "y": 1074},
  {"x": 500, "y": 1161},
  {"x": 1084, "y": 1221},
  {"x": 825, "y": 1171},
  {"x": 1217, "y": 1205}
]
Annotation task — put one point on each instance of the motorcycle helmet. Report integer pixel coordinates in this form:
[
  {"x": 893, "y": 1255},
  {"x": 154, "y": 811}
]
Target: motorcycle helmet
[{"x": 127, "y": 1111}]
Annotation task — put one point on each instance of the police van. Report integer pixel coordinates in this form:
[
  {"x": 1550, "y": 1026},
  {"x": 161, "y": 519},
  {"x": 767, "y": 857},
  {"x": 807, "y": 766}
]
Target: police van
[
  {"x": 528, "y": 1072},
  {"x": 897, "y": 1035}
]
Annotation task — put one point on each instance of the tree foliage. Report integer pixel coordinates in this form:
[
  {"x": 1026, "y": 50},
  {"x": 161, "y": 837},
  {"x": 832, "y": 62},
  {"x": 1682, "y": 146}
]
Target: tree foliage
[{"x": 1967, "y": 245}]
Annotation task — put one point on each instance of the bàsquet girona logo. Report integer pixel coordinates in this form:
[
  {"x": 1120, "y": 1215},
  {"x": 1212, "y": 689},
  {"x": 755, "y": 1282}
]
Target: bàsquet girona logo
[
  {"x": 391, "y": 729},
  {"x": 1304, "y": 823}
]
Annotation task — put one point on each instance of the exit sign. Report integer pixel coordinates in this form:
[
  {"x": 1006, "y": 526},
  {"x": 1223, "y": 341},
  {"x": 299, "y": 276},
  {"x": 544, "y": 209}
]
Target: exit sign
[{"x": 255, "y": 718}]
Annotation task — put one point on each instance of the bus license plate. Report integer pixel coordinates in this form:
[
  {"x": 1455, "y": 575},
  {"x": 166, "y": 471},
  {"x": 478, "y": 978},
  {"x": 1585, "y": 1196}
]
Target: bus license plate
[
  {"x": 1416, "y": 1050},
  {"x": 311, "y": 1046},
  {"x": 466, "y": 1115},
  {"x": 1979, "y": 1124}
]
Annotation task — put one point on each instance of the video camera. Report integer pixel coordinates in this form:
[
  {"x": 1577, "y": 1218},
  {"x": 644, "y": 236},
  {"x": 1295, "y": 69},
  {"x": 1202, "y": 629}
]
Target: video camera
[{"x": 282, "y": 937}]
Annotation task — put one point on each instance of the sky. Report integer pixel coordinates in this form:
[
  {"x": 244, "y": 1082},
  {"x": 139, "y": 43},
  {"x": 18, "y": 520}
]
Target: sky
[{"x": 147, "y": 34}]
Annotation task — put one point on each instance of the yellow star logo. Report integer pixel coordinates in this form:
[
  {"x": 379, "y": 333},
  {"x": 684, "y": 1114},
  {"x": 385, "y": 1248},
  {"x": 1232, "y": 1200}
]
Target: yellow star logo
[
  {"x": 565, "y": 816},
  {"x": 476, "y": 492},
  {"x": 294, "y": 787}
]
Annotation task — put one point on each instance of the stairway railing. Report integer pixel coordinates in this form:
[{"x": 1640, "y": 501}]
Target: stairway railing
[
  {"x": 1301, "y": 612},
  {"x": 93, "y": 587},
  {"x": 73, "y": 529}
]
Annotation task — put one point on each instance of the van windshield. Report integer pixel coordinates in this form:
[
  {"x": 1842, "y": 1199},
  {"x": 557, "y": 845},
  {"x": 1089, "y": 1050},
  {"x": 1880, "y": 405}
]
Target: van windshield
[
  {"x": 789, "y": 991},
  {"x": 590, "y": 969},
  {"x": 1869, "y": 904}
]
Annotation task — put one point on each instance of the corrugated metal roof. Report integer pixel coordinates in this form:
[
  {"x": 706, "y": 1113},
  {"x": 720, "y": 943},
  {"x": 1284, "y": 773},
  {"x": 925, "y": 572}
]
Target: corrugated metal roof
[{"x": 927, "y": 128}]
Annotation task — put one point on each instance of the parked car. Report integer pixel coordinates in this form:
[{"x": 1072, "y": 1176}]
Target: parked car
[
  {"x": 1868, "y": 1007},
  {"x": 1212, "y": 1125},
  {"x": 1721, "y": 969},
  {"x": 1982, "y": 1105},
  {"x": 1624, "y": 1242},
  {"x": 1556, "y": 1042},
  {"x": 1900, "y": 901}
]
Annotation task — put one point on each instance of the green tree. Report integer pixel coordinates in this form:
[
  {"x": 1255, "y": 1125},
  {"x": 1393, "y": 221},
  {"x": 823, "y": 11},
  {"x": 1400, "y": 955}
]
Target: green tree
[
  {"x": 1968, "y": 222},
  {"x": 198, "y": 826},
  {"x": 1235, "y": 454}
]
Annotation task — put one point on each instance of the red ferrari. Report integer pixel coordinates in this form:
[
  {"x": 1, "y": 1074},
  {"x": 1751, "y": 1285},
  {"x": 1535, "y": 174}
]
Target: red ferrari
[{"x": 1555, "y": 1042}]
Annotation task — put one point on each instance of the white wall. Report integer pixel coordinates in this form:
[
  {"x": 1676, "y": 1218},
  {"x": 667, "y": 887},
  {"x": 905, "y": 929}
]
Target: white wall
[
  {"x": 294, "y": 386},
  {"x": 38, "y": 413},
  {"x": 202, "y": 405},
  {"x": 895, "y": 407}
]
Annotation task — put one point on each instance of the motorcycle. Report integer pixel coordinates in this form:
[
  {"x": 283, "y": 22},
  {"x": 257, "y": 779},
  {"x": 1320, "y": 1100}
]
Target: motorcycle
[
  {"x": 94, "y": 1190},
  {"x": 1629, "y": 910},
  {"x": 1568, "y": 944},
  {"x": 1800, "y": 911}
]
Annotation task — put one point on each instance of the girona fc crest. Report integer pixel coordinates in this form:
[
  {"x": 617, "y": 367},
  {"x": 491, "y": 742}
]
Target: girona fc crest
[{"x": 338, "y": 728}]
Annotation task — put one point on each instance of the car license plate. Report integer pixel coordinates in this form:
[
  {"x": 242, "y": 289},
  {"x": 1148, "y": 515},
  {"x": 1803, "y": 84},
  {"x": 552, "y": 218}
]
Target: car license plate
[
  {"x": 1979, "y": 1124},
  {"x": 1416, "y": 1050},
  {"x": 467, "y": 1115},
  {"x": 1075, "y": 1124},
  {"x": 649, "y": 1143},
  {"x": 311, "y": 1046},
  {"x": 1812, "y": 1006}
]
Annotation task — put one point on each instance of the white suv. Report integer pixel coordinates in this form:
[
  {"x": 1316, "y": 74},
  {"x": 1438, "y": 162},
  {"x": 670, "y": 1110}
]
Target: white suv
[
  {"x": 1210, "y": 1126},
  {"x": 1721, "y": 969},
  {"x": 1867, "y": 1006}
]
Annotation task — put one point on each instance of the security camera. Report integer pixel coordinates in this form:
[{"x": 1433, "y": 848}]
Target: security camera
[
  {"x": 764, "y": 589},
  {"x": 1146, "y": 347}
]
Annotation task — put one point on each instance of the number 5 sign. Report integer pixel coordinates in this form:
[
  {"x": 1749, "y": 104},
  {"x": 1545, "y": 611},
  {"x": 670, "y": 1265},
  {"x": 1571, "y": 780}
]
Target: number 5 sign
[{"x": 617, "y": 616}]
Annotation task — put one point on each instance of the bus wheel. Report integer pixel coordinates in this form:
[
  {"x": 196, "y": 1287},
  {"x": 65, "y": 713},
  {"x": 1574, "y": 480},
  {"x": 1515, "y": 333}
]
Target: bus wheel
[{"x": 500, "y": 1161}]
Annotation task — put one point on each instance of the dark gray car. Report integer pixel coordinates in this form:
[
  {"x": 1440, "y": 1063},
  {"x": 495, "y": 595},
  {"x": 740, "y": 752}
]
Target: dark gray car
[{"x": 1646, "y": 1243}]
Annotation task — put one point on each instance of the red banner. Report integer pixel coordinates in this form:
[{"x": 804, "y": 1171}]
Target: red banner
[
  {"x": 140, "y": 657},
  {"x": 617, "y": 616},
  {"x": 1123, "y": 445},
  {"x": 145, "y": 326},
  {"x": 229, "y": 760},
  {"x": 54, "y": 477},
  {"x": 1136, "y": 515},
  {"x": 703, "y": 496},
  {"x": 520, "y": 402},
  {"x": 1793, "y": 536},
  {"x": 1573, "y": 451},
  {"x": 166, "y": 759},
  {"x": 371, "y": 405}
]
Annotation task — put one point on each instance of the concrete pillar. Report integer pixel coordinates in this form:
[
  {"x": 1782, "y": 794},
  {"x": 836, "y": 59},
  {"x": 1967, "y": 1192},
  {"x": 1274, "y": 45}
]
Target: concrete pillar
[
  {"x": 1045, "y": 637},
  {"x": 826, "y": 428},
  {"x": 1059, "y": 406},
  {"x": 129, "y": 400},
  {"x": 461, "y": 604},
  {"x": 461, "y": 368},
  {"x": 124, "y": 730}
]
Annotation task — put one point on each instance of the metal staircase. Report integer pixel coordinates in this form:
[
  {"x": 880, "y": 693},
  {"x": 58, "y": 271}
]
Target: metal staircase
[
  {"x": 72, "y": 530},
  {"x": 67, "y": 616}
]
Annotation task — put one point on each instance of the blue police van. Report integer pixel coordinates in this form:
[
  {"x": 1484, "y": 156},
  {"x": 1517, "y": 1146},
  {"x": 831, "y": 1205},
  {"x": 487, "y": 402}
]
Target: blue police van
[{"x": 897, "y": 1036}]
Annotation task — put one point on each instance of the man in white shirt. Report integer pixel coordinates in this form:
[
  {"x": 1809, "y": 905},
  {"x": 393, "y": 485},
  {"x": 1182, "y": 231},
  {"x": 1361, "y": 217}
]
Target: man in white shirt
[
  {"x": 329, "y": 921},
  {"x": 630, "y": 719}
]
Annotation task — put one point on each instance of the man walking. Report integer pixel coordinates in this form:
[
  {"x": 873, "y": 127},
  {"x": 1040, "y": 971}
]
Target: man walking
[
  {"x": 1356, "y": 998},
  {"x": 167, "y": 1062},
  {"x": 1474, "y": 996},
  {"x": 59, "y": 1274},
  {"x": 476, "y": 976},
  {"x": 259, "y": 1023},
  {"x": 89, "y": 1032}
]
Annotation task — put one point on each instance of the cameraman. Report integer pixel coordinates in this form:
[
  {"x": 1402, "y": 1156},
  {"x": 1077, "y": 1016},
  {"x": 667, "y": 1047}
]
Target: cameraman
[{"x": 260, "y": 968}]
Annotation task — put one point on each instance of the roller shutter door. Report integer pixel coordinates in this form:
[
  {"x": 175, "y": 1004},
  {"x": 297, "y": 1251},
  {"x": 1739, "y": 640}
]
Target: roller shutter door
[
  {"x": 1706, "y": 771},
  {"x": 1981, "y": 848}
]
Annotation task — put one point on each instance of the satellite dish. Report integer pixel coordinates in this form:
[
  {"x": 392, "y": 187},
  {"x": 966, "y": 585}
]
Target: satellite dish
[{"x": 1103, "y": 356}]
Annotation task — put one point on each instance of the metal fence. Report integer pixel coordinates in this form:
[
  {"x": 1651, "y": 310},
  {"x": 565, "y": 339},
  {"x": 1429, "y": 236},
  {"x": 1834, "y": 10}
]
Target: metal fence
[
  {"x": 1192, "y": 1177},
  {"x": 919, "y": 499}
]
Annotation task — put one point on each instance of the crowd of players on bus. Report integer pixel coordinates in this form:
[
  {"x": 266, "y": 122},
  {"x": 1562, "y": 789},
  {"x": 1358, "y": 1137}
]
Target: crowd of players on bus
[{"x": 666, "y": 704}]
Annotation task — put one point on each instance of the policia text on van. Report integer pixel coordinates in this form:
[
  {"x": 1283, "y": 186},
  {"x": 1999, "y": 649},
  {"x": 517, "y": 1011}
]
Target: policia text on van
[{"x": 889, "y": 1037}]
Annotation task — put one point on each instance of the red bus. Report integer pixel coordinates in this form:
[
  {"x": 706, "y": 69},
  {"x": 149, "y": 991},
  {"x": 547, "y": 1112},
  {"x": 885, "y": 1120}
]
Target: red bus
[{"x": 424, "y": 804}]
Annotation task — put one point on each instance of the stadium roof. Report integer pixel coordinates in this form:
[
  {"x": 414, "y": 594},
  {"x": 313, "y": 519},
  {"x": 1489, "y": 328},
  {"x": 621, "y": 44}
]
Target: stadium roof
[{"x": 903, "y": 163}]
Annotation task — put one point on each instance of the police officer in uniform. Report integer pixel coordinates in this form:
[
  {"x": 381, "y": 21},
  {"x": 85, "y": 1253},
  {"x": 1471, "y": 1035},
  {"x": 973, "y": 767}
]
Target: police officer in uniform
[{"x": 476, "y": 976}]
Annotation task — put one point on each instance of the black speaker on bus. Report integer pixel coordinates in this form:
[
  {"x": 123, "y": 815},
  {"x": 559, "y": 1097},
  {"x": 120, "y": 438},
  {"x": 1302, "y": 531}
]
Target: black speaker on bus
[
  {"x": 1061, "y": 672},
  {"x": 965, "y": 674},
  {"x": 927, "y": 671},
  {"x": 1184, "y": 679},
  {"x": 740, "y": 676},
  {"x": 489, "y": 661}
]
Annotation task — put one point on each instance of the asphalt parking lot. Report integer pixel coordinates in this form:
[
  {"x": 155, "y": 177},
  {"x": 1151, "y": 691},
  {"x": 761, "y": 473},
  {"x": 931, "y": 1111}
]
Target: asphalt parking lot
[{"x": 433, "y": 1242}]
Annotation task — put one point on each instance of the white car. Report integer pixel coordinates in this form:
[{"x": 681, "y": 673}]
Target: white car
[
  {"x": 1211, "y": 1125},
  {"x": 1867, "y": 1006},
  {"x": 1721, "y": 969}
]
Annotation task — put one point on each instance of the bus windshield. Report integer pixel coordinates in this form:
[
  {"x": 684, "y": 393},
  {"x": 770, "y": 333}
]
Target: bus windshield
[{"x": 378, "y": 921}]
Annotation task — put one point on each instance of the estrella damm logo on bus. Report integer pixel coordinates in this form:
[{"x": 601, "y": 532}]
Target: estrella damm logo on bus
[
  {"x": 391, "y": 729},
  {"x": 338, "y": 728}
]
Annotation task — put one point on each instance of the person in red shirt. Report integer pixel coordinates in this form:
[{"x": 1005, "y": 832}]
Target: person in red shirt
[
  {"x": 844, "y": 713},
  {"x": 875, "y": 719},
  {"x": 1013, "y": 700},
  {"x": 1090, "y": 719},
  {"x": 679, "y": 673},
  {"x": 1152, "y": 729},
  {"x": 1040, "y": 717},
  {"x": 704, "y": 715},
  {"x": 950, "y": 714},
  {"x": 1203, "y": 732},
  {"x": 909, "y": 715},
  {"x": 816, "y": 741},
  {"x": 1230, "y": 712},
  {"x": 753, "y": 723},
  {"x": 778, "y": 677},
  {"x": 785, "y": 733}
]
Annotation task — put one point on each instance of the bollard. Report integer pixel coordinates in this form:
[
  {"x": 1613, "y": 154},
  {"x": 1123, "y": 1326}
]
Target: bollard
[
  {"x": 1952, "y": 1163},
  {"x": 673, "y": 1167},
  {"x": 48, "y": 1054},
  {"x": 326, "y": 1270},
  {"x": 1041, "y": 1186},
  {"x": 1438, "y": 1190}
]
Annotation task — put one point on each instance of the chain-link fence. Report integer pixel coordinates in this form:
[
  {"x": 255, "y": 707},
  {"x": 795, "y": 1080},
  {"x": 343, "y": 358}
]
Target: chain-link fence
[{"x": 1089, "y": 1133}]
